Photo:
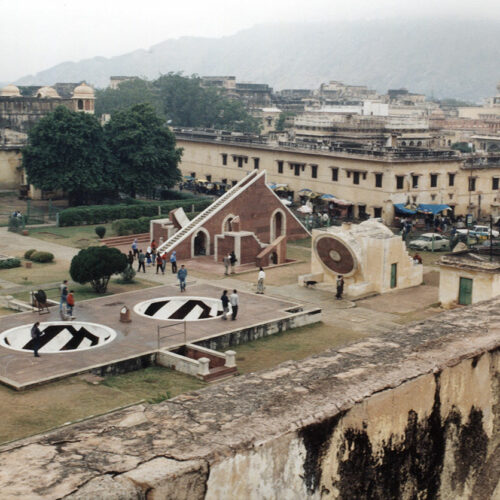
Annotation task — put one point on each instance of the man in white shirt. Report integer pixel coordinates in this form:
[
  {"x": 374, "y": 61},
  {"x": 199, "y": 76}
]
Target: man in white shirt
[
  {"x": 235, "y": 302},
  {"x": 260, "y": 281}
]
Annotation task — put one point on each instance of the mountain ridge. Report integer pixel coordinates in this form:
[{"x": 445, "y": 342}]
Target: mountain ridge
[{"x": 452, "y": 58}]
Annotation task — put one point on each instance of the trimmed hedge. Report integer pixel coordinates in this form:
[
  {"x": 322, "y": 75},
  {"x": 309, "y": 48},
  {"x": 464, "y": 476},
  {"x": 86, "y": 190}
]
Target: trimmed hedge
[
  {"x": 100, "y": 214},
  {"x": 9, "y": 263},
  {"x": 29, "y": 253},
  {"x": 42, "y": 257},
  {"x": 124, "y": 227},
  {"x": 100, "y": 231}
]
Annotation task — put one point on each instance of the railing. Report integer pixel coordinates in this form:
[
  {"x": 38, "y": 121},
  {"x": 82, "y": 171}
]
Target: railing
[{"x": 182, "y": 332}]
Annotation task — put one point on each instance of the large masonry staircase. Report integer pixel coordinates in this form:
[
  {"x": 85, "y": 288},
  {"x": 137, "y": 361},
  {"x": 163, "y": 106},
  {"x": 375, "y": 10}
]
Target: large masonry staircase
[{"x": 217, "y": 205}]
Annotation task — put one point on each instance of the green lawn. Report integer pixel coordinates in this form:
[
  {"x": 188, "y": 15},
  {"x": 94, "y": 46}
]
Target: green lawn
[
  {"x": 52, "y": 405},
  {"x": 73, "y": 236},
  {"x": 85, "y": 292},
  {"x": 292, "y": 345}
]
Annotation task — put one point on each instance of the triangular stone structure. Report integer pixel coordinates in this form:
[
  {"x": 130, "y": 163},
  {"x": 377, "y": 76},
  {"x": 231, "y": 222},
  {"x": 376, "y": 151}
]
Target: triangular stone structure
[{"x": 246, "y": 219}]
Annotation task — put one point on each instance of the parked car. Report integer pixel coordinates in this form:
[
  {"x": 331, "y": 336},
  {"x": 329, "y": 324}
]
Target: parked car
[
  {"x": 480, "y": 231},
  {"x": 430, "y": 242}
]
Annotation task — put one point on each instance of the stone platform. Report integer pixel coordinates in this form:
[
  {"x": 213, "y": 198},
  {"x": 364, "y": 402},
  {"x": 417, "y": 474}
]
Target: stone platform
[{"x": 136, "y": 343}]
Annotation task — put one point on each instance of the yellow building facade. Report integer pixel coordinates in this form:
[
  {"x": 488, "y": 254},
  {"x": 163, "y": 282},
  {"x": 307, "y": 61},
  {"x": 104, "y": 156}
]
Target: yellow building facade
[{"x": 372, "y": 180}]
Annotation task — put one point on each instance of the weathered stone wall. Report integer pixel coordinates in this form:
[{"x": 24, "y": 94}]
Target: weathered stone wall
[{"x": 415, "y": 414}]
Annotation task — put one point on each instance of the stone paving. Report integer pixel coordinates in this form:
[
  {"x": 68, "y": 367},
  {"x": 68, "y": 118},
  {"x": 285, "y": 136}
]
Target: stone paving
[{"x": 134, "y": 339}]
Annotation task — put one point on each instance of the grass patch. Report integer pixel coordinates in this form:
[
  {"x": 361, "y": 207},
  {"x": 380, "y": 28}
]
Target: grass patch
[
  {"x": 55, "y": 404},
  {"x": 154, "y": 383},
  {"x": 38, "y": 274},
  {"x": 72, "y": 236},
  {"x": 293, "y": 345},
  {"x": 85, "y": 292}
]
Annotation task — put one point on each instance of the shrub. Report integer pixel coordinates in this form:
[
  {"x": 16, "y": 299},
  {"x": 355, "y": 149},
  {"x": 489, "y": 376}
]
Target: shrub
[
  {"x": 29, "y": 253},
  {"x": 100, "y": 231},
  {"x": 95, "y": 265},
  {"x": 9, "y": 263},
  {"x": 128, "y": 274},
  {"x": 42, "y": 257}
]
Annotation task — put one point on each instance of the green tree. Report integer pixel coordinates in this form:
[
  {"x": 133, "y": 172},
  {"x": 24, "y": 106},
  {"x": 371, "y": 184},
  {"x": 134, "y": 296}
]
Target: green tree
[
  {"x": 96, "y": 265},
  {"x": 187, "y": 104},
  {"x": 143, "y": 150},
  {"x": 66, "y": 151},
  {"x": 128, "y": 93},
  {"x": 281, "y": 124}
]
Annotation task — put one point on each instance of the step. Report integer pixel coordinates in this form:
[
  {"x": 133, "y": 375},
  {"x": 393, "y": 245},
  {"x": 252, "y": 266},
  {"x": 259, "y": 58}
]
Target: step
[
  {"x": 220, "y": 372},
  {"x": 126, "y": 239}
]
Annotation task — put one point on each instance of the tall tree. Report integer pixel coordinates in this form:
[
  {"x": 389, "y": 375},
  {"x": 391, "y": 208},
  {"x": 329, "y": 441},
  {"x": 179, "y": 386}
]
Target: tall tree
[
  {"x": 143, "y": 150},
  {"x": 128, "y": 93},
  {"x": 66, "y": 151}
]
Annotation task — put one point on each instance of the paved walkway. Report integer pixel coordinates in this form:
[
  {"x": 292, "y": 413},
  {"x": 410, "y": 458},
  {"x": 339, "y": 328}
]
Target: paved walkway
[{"x": 14, "y": 244}]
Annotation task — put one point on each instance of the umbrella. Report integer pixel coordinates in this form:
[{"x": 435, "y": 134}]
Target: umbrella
[
  {"x": 304, "y": 209},
  {"x": 327, "y": 197},
  {"x": 305, "y": 190},
  {"x": 281, "y": 189},
  {"x": 189, "y": 177},
  {"x": 314, "y": 195},
  {"x": 272, "y": 186}
]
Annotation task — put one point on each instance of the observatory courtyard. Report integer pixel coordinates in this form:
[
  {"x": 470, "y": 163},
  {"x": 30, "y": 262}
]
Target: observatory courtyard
[{"x": 403, "y": 404}]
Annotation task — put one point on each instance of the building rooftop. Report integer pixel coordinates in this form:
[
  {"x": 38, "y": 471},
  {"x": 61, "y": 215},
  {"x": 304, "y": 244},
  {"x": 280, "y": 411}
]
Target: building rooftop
[{"x": 336, "y": 150}]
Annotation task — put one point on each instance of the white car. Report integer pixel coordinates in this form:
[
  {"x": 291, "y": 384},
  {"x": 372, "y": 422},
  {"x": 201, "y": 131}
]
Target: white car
[
  {"x": 483, "y": 231},
  {"x": 430, "y": 241}
]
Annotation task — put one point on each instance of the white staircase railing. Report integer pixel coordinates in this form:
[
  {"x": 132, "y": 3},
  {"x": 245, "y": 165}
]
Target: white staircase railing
[{"x": 168, "y": 245}]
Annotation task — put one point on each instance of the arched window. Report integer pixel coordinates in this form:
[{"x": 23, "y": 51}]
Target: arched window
[{"x": 80, "y": 104}]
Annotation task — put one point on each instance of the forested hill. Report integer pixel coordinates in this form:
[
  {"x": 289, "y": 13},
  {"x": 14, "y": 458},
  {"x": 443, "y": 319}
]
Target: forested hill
[{"x": 444, "y": 58}]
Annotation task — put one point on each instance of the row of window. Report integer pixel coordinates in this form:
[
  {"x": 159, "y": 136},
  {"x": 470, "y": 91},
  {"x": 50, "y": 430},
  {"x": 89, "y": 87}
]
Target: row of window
[{"x": 297, "y": 168}]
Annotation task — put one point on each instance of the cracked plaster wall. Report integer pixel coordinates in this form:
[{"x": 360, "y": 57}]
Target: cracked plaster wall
[{"x": 413, "y": 414}]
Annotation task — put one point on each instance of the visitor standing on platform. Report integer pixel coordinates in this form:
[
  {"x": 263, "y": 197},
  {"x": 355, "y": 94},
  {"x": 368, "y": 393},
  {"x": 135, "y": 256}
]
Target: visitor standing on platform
[
  {"x": 235, "y": 303},
  {"x": 159, "y": 264},
  {"x": 225, "y": 304},
  {"x": 340, "y": 287},
  {"x": 141, "y": 258},
  {"x": 173, "y": 261},
  {"x": 64, "y": 294},
  {"x": 35, "y": 335},
  {"x": 181, "y": 276},
  {"x": 232, "y": 260},
  {"x": 135, "y": 248},
  {"x": 130, "y": 258},
  {"x": 227, "y": 261},
  {"x": 70, "y": 300},
  {"x": 260, "y": 281}
]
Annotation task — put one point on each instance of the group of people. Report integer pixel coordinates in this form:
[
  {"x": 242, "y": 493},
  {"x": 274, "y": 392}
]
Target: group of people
[
  {"x": 152, "y": 257},
  {"x": 232, "y": 299},
  {"x": 67, "y": 301},
  {"x": 229, "y": 260}
]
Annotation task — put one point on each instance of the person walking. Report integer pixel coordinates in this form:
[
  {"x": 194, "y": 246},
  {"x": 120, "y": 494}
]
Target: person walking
[
  {"x": 232, "y": 261},
  {"x": 135, "y": 248},
  {"x": 130, "y": 258},
  {"x": 35, "y": 335},
  {"x": 141, "y": 259},
  {"x": 159, "y": 264},
  {"x": 340, "y": 286},
  {"x": 225, "y": 304},
  {"x": 148, "y": 256},
  {"x": 173, "y": 261},
  {"x": 64, "y": 294},
  {"x": 226, "y": 260},
  {"x": 260, "y": 281},
  {"x": 235, "y": 302},
  {"x": 181, "y": 276},
  {"x": 164, "y": 258},
  {"x": 70, "y": 300}
]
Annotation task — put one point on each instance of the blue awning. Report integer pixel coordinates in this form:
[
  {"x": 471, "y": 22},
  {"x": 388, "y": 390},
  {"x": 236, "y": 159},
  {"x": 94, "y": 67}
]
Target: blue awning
[
  {"x": 401, "y": 209},
  {"x": 327, "y": 197},
  {"x": 432, "y": 208}
]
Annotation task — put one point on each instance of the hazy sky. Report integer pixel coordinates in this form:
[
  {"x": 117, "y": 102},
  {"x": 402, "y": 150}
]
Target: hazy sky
[{"x": 35, "y": 34}]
